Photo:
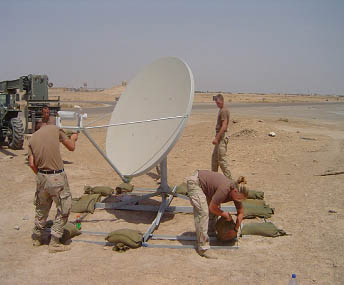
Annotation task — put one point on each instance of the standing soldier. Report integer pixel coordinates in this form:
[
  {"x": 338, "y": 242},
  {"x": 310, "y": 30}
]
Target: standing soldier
[
  {"x": 207, "y": 190},
  {"x": 52, "y": 185},
  {"x": 46, "y": 118},
  {"x": 221, "y": 139}
]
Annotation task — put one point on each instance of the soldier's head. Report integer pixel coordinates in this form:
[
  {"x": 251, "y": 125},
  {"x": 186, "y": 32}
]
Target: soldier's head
[
  {"x": 219, "y": 99},
  {"x": 240, "y": 190},
  {"x": 45, "y": 112}
]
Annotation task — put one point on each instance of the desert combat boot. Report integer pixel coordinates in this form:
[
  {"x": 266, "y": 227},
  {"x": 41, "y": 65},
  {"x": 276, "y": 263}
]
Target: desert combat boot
[{"x": 56, "y": 246}]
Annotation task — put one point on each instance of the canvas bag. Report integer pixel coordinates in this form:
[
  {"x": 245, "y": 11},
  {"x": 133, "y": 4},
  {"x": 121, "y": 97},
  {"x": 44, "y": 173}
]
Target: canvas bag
[
  {"x": 85, "y": 204},
  {"x": 129, "y": 237},
  {"x": 103, "y": 190},
  {"x": 262, "y": 229}
]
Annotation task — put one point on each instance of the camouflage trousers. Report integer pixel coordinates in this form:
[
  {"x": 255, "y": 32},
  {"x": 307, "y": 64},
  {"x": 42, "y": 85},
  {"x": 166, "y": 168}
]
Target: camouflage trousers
[
  {"x": 51, "y": 187},
  {"x": 205, "y": 221},
  {"x": 219, "y": 157}
]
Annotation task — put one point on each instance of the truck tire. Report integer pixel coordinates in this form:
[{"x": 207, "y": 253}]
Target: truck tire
[{"x": 16, "y": 137}]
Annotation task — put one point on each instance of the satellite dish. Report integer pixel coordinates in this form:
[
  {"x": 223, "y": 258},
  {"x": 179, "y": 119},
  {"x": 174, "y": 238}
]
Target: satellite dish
[{"x": 161, "y": 96}]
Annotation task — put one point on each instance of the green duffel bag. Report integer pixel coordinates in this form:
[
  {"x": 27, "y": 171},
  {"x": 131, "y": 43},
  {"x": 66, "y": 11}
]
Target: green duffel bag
[
  {"x": 262, "y": 229},
  {"x": 129, "y": 237},
  {"x": 182, "y": 189},
  {"x": 85, "y": 204},
  {"x": 252, "y": 210},
  {"x": 103, "y": 190},
  {"x": 223, "y": 227},
  {"x": 252, "y": 194},
  {"x": 69, "y": 231}
]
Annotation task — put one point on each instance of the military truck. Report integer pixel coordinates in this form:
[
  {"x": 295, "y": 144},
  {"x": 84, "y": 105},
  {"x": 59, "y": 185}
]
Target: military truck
[
  {"x": 35, "y": 97},
  {"x": 11, "y": 126}
]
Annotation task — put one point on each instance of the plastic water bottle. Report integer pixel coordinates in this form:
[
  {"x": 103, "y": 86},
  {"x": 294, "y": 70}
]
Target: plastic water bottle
[
  {"x": 78, "y": 222},
  {"x": 293, "y": 280}
]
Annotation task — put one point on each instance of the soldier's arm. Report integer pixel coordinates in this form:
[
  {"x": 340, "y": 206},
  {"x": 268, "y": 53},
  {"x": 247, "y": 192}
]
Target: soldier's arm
[
  {"x": 70, "y": 143},
  {"x": 240, "y": 214},
  {"x": 215, "y": 209},
  {"x": 221, "y": 131},
  {"x": 32, "y": 164}
]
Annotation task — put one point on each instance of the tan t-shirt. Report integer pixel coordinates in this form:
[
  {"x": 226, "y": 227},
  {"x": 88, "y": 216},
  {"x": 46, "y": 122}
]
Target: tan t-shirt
[
  {"x": 44, "y": 145},
  {"x": 215, "y": 186},
  {"x": 223, "y": 114}
]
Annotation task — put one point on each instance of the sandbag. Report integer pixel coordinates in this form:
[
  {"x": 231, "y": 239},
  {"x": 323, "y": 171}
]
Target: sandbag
[
  {"x": 69, "y": 231},
  {"x": 129, "y": 237},
  {"x": 252, "y": 210},
  {"x": 124, "y": 187},
  {"x": 182, "y": 189},
  {"x": 252, "y": 194},
  {"x": 254, "y": 203},
  {"x": 120, "y": 247},
  {"x": 223, "y": 227},
  {"x": 85, "y": 204},
  {"x": 103, "y": 190},
  {"x": 262, "y": 229}
]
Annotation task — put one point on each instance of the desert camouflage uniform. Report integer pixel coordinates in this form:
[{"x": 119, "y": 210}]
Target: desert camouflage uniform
[
  {"x": 219, "y": 157},
  {"x": 204, "y": 221},
  {"x": 52, "y": 187}
]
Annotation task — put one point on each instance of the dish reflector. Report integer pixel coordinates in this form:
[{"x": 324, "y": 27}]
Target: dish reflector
[{"x": 164, "y": 89}]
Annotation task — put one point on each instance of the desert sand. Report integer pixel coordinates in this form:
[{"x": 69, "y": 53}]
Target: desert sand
[{"x": 285, "y": 167}]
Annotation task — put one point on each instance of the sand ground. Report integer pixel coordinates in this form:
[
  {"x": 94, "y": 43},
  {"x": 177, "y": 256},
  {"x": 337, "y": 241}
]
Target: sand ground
[{"x": 284, "y": 167}]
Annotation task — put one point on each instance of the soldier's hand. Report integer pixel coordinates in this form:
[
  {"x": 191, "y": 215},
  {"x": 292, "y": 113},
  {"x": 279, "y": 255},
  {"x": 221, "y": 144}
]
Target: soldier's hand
[
  {"x": 215, "y": 141},
  {"x": 227, "y": 216},
  {"x": 74, "y": 137}
]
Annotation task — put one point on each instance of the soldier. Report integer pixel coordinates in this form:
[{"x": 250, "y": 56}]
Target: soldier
[
  {"x": 207, "y": 190},
  {"x": 46, "y": 118},
  {"x": 221, "y": 139},
  {"x": 52, "y": 185}
]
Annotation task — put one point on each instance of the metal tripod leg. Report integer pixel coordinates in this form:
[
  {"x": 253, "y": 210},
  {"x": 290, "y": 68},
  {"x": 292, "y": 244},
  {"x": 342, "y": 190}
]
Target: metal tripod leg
[
  {"x": 164, "y": 190},
  {"x": 165, "y": 204}
]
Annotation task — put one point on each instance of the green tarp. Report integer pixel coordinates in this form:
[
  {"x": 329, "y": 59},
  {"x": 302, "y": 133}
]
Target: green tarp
[
  {"x": 262, "y": 229},
  {"x": 85, "y": 204},
  {"x": 128, "y": 237},
  {"x": 103, "y": 190}
]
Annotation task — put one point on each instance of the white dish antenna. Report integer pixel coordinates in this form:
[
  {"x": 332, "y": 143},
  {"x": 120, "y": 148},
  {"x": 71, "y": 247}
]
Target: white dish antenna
[{"x": 150, "y": 116}]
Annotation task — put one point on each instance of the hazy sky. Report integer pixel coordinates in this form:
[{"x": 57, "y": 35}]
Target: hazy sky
[{"x": 293, "y": 46}]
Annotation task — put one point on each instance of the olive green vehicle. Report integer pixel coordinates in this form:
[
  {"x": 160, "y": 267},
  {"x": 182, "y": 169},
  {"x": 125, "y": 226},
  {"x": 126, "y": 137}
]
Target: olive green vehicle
[
  {"x": 32, "y": 101},
  {"x": 11, "y": 126}
]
